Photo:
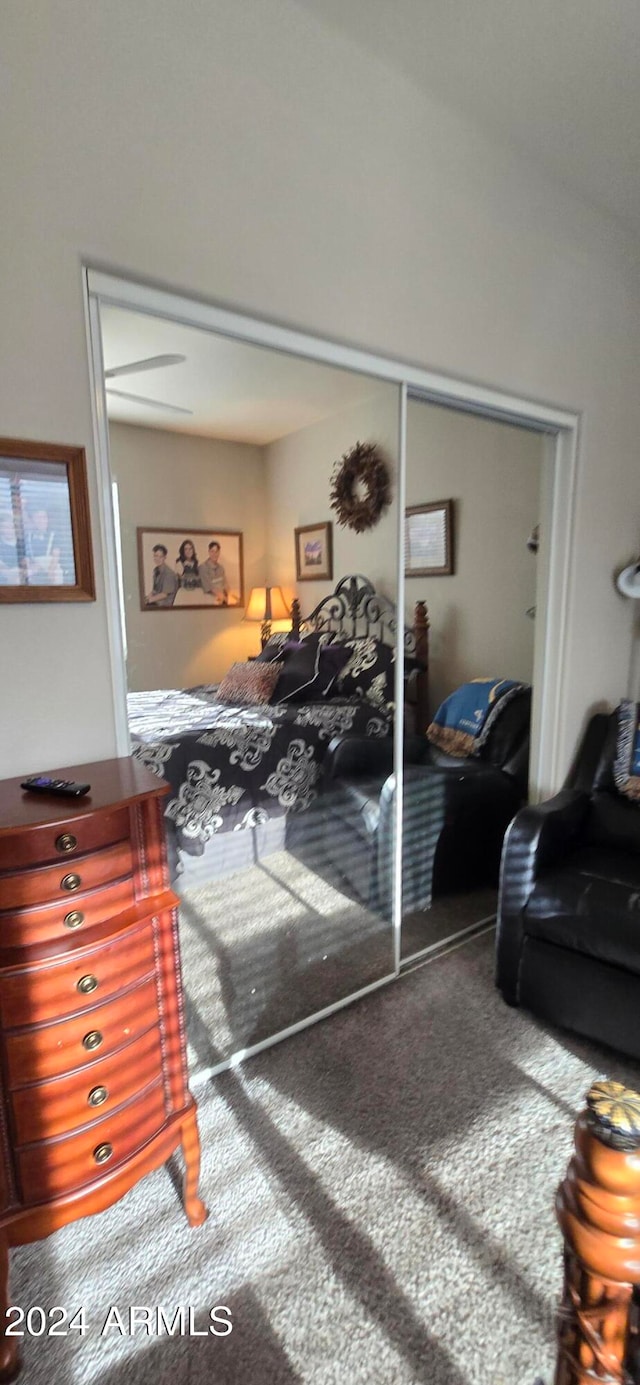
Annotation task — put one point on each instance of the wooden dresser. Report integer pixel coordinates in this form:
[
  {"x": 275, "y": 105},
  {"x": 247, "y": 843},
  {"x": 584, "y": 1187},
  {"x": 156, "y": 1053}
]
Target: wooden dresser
[{"x": 92, "y": 1035}]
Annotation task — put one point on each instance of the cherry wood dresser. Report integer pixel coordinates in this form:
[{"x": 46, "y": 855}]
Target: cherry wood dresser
[{"x": 94, "y": 1090}]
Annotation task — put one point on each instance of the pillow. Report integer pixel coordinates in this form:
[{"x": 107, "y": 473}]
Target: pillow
[
  {"x": 333, "y": 659},
  {"x": 273, "y": 648},
  {"x": 369, "y": 672},
  {"x": 284, "y": 642},
  {"x": 301, "y": 680},
  {"x": 249, "y": 685}
]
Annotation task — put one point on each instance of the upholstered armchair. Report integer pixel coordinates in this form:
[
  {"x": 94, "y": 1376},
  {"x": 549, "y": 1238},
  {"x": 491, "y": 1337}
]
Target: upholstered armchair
[
  {"x": 568, "y": 941},
  {"x": 456, "y": 810}
]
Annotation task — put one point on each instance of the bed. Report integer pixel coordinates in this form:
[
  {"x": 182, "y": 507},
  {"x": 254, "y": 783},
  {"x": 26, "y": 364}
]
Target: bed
[{"x": 238, "y": 775}]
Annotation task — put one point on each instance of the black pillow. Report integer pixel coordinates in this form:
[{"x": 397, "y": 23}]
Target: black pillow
[
  {"x": 273, "y": 648},
  {"x": 369, "y": 672},
  {"x": 300, "y": 679}
]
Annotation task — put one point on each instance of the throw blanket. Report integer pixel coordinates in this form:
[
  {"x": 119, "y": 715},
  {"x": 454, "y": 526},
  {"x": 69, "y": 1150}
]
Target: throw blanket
[
  {"x": 463, "y": 721},
  {"x": 626, "y": 768}
]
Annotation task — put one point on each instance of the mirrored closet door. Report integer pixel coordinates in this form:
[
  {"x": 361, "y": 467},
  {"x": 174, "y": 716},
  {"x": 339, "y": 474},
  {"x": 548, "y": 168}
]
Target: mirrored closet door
[
  {"x": 260, "y": 647},
  {"x": 475, "y": 489}
]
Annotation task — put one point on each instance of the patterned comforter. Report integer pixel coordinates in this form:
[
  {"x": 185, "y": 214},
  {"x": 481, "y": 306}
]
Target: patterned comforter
[{"x": 233, "y": 768}]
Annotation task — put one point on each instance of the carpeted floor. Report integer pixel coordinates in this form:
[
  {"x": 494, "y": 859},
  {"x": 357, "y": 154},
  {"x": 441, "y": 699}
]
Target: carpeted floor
[
  {"x": 252, "y": 970},
  {"x": 381, "y": 1193}
]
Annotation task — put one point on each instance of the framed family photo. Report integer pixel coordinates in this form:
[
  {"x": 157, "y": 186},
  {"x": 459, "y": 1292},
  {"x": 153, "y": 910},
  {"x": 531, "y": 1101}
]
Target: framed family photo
[
  {"x": 183, "y": 569},
  {"x": 45, "y": 533},
  {"x": 314, "y": 557}
]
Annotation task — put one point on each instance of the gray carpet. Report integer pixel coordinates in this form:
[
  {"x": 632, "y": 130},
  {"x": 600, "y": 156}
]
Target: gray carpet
[
  {"x": 270, "y": 945},
  {"x": 381, "y": 1192}
]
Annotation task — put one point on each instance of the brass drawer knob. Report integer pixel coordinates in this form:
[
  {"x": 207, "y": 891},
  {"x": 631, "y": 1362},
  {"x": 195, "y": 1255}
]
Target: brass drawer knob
[
  {"x": 87, "y": 984},
  {"x": 66, "y": 842},
  {"x": 73, "y": 920},
  {"x": 92, "y": 1040},
  {"x": 97, "y": 1096},
  {"x": 70, "y": 882},
  {"x": 102, "y": 1153}
]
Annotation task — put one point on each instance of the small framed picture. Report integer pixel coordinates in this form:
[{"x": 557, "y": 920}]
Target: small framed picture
[
  {"x": 45, "y": 532},
  {"x": 182, "y": 569},
  {"x": 314, "y": 556},
  {"x": 429, "y": 540}
]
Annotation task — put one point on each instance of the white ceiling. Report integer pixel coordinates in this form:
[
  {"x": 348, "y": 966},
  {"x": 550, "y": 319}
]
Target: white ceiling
[
  {"x": 243, "y": 393},
  {"x": 558, "y": 79}
]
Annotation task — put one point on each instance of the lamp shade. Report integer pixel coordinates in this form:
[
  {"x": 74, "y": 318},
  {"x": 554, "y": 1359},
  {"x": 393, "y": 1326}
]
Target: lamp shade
[
  {"x": 266, "y": 603},
  {"x": 628, "y": 582}
]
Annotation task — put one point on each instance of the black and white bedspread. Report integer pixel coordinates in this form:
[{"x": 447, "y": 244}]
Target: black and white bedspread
[{"x": 233, "y": 768}]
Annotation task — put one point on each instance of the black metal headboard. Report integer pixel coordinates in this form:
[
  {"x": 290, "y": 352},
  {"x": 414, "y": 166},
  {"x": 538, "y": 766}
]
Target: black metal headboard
[{"x": 355, "y": 608}]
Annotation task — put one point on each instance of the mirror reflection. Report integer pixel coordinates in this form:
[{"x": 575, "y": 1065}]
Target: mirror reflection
[
  {"x": 260, "y": 641},
  {"x": 467, "y": 774}
]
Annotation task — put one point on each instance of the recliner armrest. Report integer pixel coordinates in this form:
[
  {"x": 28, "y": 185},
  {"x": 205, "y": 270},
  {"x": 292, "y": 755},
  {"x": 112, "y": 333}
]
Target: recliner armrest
[
  {"x": 352, "y": 754},
  {"x": 538, "y": 837}
]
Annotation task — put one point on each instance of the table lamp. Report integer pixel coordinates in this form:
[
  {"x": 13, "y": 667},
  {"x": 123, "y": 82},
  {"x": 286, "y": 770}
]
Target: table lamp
[{"x": 266, "y": 604}]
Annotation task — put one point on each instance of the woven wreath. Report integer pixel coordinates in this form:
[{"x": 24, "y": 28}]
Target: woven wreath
[{"x": 362, "y": 466}]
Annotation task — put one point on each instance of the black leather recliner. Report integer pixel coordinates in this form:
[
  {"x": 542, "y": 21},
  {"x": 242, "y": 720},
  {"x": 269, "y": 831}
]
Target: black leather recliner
[
  {"x": 568, "y": 941},
  {"x": 456, "y": 811}
]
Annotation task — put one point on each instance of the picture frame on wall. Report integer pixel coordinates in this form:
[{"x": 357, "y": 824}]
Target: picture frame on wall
[
  {"x": 314, "y": 552},
  {"x": 429, "y": 540},
  {"x": 190, "y": 569},
  {"x": 45, "y": 527}
]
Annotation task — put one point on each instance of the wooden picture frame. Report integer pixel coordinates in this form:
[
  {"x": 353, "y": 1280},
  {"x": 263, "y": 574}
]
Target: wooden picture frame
[
  {"x": 314, "y": 552},
  {"x": 429, "y": 540},
  {"x": 45, "y": 526},
  {"x": 208, "y": 575}
]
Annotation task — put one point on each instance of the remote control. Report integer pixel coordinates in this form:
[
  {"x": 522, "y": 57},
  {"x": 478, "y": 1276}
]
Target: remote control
[{"x": 67, "y": 788}]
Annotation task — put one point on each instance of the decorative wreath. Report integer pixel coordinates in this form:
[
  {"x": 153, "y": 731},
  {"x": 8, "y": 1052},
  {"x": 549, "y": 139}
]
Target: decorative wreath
[{"x": 362, "y": 466}]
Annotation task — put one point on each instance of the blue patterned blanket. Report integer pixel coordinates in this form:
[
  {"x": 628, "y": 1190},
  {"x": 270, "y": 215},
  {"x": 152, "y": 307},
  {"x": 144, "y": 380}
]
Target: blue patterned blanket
[
  {"x": 463, "y": 721},
  {"x": 626, "y": 769}
]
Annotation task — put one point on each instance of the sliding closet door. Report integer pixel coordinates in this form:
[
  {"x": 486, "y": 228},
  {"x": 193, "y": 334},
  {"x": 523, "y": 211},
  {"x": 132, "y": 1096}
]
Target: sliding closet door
[
  {"x": 280, "y": 819},
  {"x": 473, "y": 493}
]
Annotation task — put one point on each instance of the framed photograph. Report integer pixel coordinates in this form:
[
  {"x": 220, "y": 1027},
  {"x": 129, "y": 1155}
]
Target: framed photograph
[
  {"x": 314, "y": 557},
  {"x": 185, "y": 569},
  {"x": 45, "y": 532},
  {"x": 429, "y": 540}
]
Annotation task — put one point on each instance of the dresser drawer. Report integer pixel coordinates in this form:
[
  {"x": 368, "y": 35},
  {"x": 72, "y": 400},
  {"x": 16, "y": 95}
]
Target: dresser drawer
[
  {"x": 62, "y": 841},
  {"x": 67, "y": 1103},
  {"x": 52, "y": 1168},
  {"x": 69, "y": 917},
  {"x": 48, "y": 1050},
  {"x": 65, "y": 881},
  {"x": 33, "y": 994}
]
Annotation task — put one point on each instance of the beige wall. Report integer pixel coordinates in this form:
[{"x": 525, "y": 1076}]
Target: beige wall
[
  {"x": 479, "y": 626},
  {"x": 253, "y": 155},
  {"x": 299, "y": 469},
  {"x": 171, "y": 479}
]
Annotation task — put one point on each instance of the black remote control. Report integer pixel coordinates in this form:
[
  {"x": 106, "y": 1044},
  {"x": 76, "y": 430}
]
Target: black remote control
[{"x": 66, "y": 788}]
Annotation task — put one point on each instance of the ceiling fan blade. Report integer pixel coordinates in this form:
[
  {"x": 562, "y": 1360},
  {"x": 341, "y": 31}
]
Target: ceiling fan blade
[
  {"x": 149, "y": 363},
  {"x": 153, "y": 403}
]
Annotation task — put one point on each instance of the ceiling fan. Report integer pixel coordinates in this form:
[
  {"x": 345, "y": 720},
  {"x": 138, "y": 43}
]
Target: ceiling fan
[{"x": 149, "y": 363}]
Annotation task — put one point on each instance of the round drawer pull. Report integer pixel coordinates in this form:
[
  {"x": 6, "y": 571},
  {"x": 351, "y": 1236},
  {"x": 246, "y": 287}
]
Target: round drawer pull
[
  {"x": 66, "y": 842},
  {"x": 87, "y": 984},
  {"x": 73, "y": 920},
  {"x": 92, "y": 1040},
  {"x": 102, "y": 1153},
  {"x": 70, "y": 882},
  {"x": 97, "y": 1096}
]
